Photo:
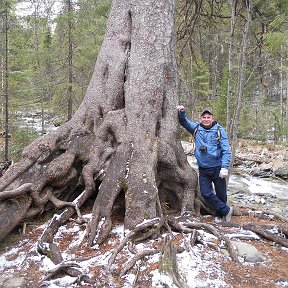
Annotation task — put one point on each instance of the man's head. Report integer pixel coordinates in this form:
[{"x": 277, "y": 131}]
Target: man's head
[
  {"x": 206, "y": 111},
  {"x": 206, "y": 118}
]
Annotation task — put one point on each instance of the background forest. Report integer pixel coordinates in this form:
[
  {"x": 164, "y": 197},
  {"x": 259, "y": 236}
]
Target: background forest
[{"x": 232, "y": 56}]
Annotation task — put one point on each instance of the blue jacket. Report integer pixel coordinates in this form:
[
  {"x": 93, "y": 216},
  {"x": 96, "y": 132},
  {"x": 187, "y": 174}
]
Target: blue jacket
[{"x": 218, "y": 150}]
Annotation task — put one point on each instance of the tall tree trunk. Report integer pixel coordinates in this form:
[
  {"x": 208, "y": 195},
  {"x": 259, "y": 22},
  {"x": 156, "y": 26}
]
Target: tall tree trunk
[
  {"x": 70, "y": 57},
  {"x": 36, "y": 47},
  {"x": 230, "y": 68},
  {"x": 282, "y": 107},
  {"x": 241, "y": 80},
  {"x": 6, "y": 27},
  {"x": 124, "y": 138},
  {"x": 286, "y": 118},
  {"x": 2, "y": 89}
]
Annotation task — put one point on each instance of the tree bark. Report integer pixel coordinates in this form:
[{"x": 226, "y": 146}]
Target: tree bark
[
  {"x": 230, "y": 67},
  {"x": 241, "y": 80},
  {"x": 124, "y": 137},
  {"x": 70, "y": 59},
  {"x": 6, "y": 81}
]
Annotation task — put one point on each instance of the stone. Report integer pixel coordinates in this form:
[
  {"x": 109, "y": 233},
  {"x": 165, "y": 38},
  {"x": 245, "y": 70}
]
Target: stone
[
  {"x": 14, "y": 282},
  {"x": 248, "y": 252},
  {"x": 280, "y": 169}
]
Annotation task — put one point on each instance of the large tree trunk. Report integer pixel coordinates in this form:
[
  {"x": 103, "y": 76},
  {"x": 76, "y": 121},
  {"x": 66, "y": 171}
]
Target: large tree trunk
[{"x": 123, "y": 138}]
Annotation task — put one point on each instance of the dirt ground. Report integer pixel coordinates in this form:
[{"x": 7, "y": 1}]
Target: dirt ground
[{"x": 273, "y": 272}]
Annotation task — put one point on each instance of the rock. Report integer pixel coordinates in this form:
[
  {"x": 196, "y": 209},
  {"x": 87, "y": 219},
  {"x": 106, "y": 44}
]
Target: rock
[
  {"x": 188, "y": 147},
  {"x": 280, "y": 169},
  {"x": 260, "y": 171},
  {"x": 257, "y": 199},
  {"x": 248, "y": 252},
  {"x": 266, "y": 166},
  {"x": 14, "y": 282},
  {"x": 262, "y": 201}
]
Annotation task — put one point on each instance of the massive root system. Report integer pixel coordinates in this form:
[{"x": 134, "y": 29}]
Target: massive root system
[{"x": 123, "y": 138}]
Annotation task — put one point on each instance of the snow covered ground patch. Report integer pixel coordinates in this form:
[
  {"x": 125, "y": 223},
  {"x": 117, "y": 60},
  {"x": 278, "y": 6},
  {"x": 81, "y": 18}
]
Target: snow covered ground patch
[{"x": 194, "y": 263}]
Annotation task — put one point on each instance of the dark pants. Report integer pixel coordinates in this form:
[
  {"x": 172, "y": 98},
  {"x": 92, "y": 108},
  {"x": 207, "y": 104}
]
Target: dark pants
[{"x": 207, "y": 176}]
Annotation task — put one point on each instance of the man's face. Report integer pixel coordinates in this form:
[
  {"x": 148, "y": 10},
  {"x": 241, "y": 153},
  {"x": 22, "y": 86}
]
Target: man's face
[{"x": 206, "y": 120}]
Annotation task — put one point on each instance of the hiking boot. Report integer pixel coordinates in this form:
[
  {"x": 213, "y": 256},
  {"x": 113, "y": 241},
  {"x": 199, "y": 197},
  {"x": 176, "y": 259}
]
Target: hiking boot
[
  {"x": 228, "y": 217},
  {"x": 218, "y": 220}
]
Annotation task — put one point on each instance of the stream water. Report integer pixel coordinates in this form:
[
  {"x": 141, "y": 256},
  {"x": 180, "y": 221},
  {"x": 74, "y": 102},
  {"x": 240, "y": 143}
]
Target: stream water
[
  {"x": 261, "y": 193},
  {"x": 33, "y": 121}
]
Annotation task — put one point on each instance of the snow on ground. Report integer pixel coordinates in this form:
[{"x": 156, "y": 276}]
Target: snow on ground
[{"x": 197, "y": 264}]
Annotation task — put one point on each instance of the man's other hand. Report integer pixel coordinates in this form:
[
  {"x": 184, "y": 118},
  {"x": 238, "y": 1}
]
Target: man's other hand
[{"x": 223, "y": 173}]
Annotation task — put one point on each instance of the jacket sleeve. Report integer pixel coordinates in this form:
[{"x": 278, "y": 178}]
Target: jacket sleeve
[
  {"x": 225, "y": 149},
  {"x": 186, "y": 123}
]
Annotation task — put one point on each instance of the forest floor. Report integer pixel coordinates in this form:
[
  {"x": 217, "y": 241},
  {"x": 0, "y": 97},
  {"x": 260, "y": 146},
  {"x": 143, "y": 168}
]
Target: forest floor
[
  {"x": 207, "y": 265},
  {"x": 273, "y": 272},
  {"x": 212, "y": 267}
]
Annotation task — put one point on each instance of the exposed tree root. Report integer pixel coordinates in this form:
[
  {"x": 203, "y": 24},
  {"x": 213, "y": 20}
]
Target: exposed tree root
[
  {"x": 59, "y": 268},
  {"x": 267, "y": 235},
  {"x": 168, "y": 264},
  {"x": 16, "y": 192},
  {"x": 47, "y": 247},
  {"x": 188, "y": 226},
  {"x": 68, "y": 267},
  {"x": 264, "y": 214},
  {"x": 152, "y": 223},
  {"x": 140, "y": 255},
  {"x": 183, "y": 225}
]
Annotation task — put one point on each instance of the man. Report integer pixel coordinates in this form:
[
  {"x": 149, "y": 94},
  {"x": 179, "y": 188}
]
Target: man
[{"x": 213, "y": 155}]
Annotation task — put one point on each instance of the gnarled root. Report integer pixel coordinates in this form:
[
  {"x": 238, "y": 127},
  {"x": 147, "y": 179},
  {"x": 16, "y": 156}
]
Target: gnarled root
[
  {"x": 138, "y": 256},
  {"x": 267, "y": 235},
  {"x": 188, "y": 227},
  {"x": 152, "y": 223},
  {"x": 63, "y": 266},
  {"x": 168, "y": 264},
  {"x": 47, "y": 247}
]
